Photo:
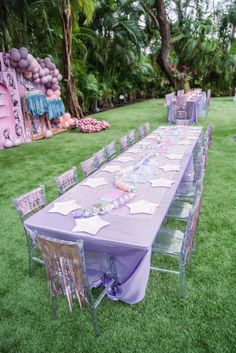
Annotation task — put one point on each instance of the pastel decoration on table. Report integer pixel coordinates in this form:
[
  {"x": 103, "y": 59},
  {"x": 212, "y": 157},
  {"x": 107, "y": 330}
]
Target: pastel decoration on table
[
  {"x": 143, "y": 206},
  {"x": 64, "y": 208},
  {"x": 170, "y": 167},
  {"x": 111, "y": 168},
  {"x": 94, "y": 182},
  {"x": 124, "y": 159},
  {"x": 161, "y": 182},
  {"x": 90, "y": 225}
]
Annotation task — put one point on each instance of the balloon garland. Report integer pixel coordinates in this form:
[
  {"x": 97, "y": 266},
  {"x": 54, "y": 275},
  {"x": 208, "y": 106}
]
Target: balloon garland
[{"x": 40, "y": 71}]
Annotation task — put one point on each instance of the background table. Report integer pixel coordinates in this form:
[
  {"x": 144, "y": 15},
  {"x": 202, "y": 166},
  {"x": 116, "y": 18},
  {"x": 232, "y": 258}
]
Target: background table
[
  {"x": 194, "y": 108},
  {"x": 129, "y": 237}
]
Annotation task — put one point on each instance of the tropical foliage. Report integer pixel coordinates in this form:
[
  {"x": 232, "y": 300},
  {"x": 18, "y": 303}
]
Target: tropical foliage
[{"x": 115, "y": 45}]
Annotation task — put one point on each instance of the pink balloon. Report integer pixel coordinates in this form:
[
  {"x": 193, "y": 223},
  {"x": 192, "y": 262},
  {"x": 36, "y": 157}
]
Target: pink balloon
[
  {"x": 60, "y": 119},
  {"x": 44, "y": 79},
  {"x": 55, "y": 87},
  {"x": 49, "y": 92},
  {"x": 35, "y": 75},
  {"x": 59, "y": 125},
  {"x": 57, "y": 93},
  {"x": 23, "y": 53},
  {"x": 46, "y": 71},
  {"x": 59, "y": 77},
  {"x": 27, "y": 74},
  {"x": 48, "y": 134},
  {"x": 66, "y": 116},
  {"x": 37, "y": 80},
  {"x": 66, "y": 125},
  {"x": 35, "y": 70},
  {"x": 19, "y": 70},
  {"x": 56, "y": 72}
]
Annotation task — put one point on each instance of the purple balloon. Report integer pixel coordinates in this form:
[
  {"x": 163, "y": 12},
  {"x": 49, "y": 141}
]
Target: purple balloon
[
  {"x": 22, "y": 63},
  {"x": 56, "y": 72},
  {"x": 35, "y": 70},
  {"x": 19, "y": 70},
  {"x": 43, "y": 65},
  {"x": 23, "y": 53},
  {"x": 55, "y": 87},
  {"x": 53, "y": 66},
  {"x": 15, "y": 55},
  {"x": 48, "y": 84},
  {"x": 36, "y": 75},
  {"x": 46, "y": 71},
  {"x": 54, "y": 80},
  {"x": 41, "y": 73},
  {"x": 37, "y": 80}
]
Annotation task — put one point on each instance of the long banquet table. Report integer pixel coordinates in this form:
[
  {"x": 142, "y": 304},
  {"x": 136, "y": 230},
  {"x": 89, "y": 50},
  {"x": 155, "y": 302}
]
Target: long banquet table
[
  {"x": 128, "y": 237},
  {"x": 194, "y": 108}
]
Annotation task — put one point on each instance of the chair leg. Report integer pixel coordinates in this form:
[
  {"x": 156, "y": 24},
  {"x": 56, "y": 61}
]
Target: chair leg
[
  {"x": 31, "y": 251},
  {"x": 182, "y": 278},
  {"x": 54, "y": 307},
  {"x": 94, "y": 320}
]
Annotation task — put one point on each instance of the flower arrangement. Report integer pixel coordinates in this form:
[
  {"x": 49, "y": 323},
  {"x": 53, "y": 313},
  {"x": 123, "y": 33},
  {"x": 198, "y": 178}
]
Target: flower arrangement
[
  {"x": 181, "y": 73},
  {"x": 90, "y": 125}
]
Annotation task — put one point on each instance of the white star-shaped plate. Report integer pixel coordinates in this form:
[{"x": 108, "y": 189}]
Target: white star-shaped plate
[
  {"x": 166, "y": 183},
  {"x": 142, "y": 206},
  {"x": 170, "y": 167},
  {"x": 124, "y": 159},
  {"x": 134, "y": 150},
  {"x": 94, "y": 182},
  {"x": 64, "y": 208},
  {"x": 145, "y": 143},
  {"x": 152, "y": 136},
  {"x": 111, "y": 168},
  {"x": 174, "y": 156},
  {"x": 89, "y": 225},
  {"x": 184, "y": 142},
  {"x": 191, "y": 137}
]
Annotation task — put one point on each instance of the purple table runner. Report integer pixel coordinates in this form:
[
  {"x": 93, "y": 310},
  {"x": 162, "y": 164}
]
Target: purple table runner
[{"x": 128, "y": 237}]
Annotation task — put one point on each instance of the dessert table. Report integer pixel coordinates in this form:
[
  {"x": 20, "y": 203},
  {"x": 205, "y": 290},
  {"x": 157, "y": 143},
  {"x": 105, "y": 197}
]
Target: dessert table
[
  {"x": 194, "y": 108},
  {"x": 127, "y": 232}
]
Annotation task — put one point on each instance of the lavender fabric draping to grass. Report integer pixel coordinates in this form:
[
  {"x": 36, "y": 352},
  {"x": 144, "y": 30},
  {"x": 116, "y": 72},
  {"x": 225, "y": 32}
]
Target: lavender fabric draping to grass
[
  {"x": 128, "y": 237},
  {"x": 194, "y": 108}
]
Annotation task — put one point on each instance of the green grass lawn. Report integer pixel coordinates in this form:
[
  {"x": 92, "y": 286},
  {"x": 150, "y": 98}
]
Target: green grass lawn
[{"x": 204, "y": 322}]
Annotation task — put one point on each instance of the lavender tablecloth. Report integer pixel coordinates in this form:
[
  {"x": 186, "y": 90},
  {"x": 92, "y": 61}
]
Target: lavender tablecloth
[
  {"x": 194, "y": 108},
  {"x": 129, "y": 237}
]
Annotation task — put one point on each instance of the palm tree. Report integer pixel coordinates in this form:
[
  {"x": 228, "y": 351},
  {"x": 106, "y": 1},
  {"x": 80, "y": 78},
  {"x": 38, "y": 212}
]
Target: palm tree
[{"x": 66, "y": 10}]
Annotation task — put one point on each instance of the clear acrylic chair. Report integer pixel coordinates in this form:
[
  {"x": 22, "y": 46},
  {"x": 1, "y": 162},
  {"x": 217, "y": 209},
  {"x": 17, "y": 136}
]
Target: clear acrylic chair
[
  {"x": 66, "y": 181},
  {"x": 89, "y": 166},
  {"x": 26, "y": 205},
  {"x": 67, "y": 275},
  {"x": 179, "y": 244},
  {"x": 147, "y": 128},
  {"x": 187, "y": 191},
  {"x": 124, "y": 143},
  {"x": 141, "y": 132},
  {"x": 101, "y": 156},
  {"x": 132, "y": 137},
  {"x": 111, "y": 150}
]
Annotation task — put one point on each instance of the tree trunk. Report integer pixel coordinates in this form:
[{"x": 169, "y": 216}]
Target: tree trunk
[
  {"x": 66, "y": 18},
  {"x": 163, "y": 57}
]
